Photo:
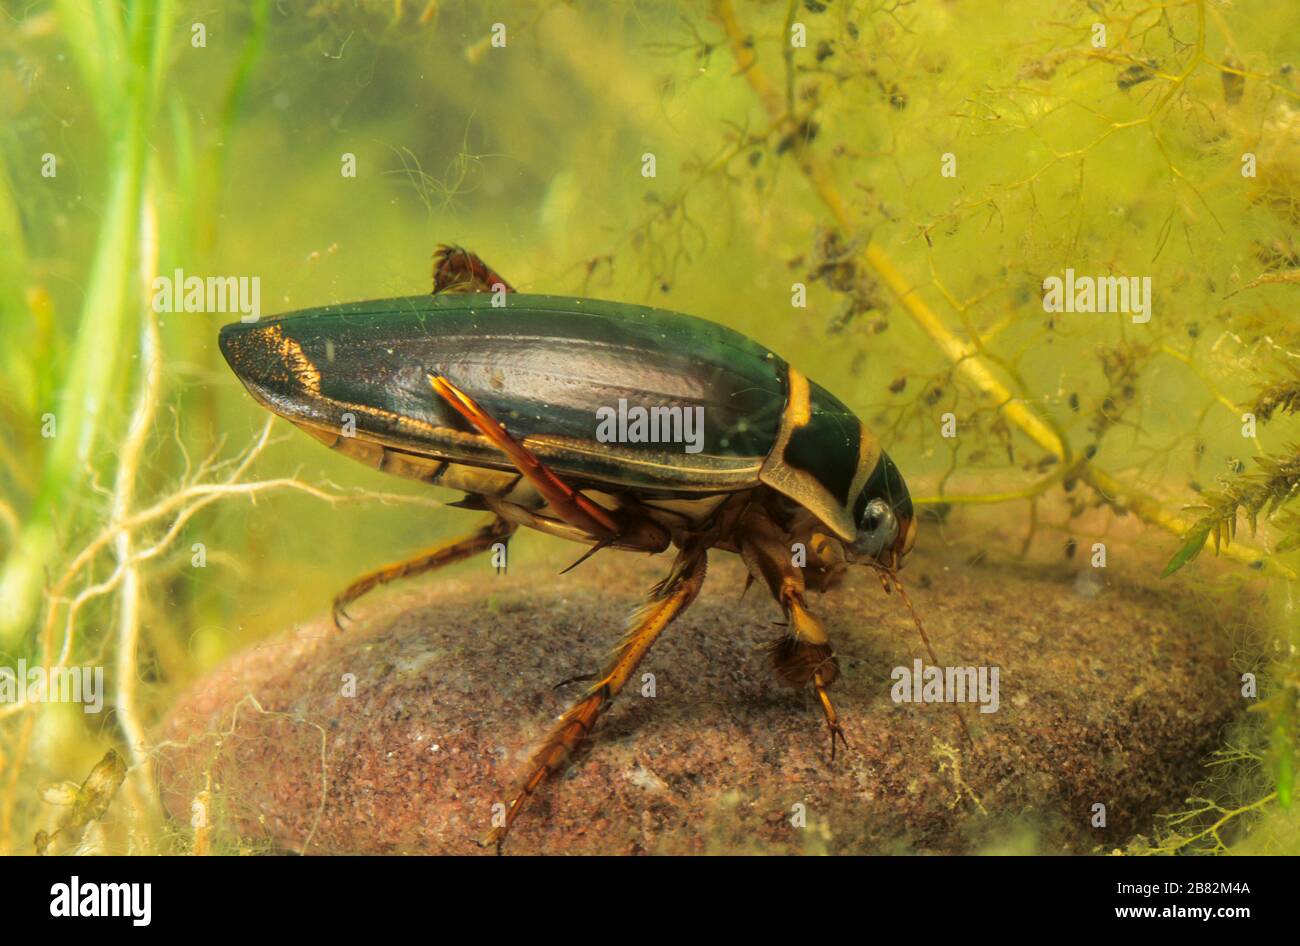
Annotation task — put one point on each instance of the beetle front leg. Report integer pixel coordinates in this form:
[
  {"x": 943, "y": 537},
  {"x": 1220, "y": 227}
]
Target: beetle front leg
[
  {"x": 804, "y": 654},
  {"x": 668, "y": 600},
  {"x": 495, "y": 530}
]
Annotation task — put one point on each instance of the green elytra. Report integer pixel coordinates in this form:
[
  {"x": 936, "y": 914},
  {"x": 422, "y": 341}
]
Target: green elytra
[{"x": 544, "y": 366}]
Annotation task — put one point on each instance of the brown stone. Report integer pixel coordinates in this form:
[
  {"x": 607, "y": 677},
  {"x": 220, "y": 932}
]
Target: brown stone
[{"x": 1109, "y": 694}]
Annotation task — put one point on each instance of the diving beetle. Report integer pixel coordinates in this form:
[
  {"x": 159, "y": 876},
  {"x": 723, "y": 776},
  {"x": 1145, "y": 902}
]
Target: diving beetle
[{"x": 502, "y": 399}]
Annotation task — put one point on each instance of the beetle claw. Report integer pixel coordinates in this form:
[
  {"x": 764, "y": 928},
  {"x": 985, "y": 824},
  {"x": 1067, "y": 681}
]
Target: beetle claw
[
  {"x": 837, "y": 730},
  {"x": 832, "y": 718},
  {"x": 567, "y": 681}
]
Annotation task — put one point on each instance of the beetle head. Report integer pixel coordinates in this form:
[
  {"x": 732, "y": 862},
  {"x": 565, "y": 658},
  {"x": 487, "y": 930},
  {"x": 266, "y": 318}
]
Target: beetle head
[{"x": 886, "y": 522}]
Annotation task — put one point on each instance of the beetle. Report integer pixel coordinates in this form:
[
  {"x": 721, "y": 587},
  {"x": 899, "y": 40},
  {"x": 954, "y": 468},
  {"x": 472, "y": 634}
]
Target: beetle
[{"x": 513, "y": 401}]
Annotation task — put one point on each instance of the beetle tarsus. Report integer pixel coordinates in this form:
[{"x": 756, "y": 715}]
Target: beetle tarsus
[
  {"x": 494, "y": 530},
  {"x": 832, "y": 718},
  {"x": 493, "y": 839},
  {"x": 338, "y": 613}
]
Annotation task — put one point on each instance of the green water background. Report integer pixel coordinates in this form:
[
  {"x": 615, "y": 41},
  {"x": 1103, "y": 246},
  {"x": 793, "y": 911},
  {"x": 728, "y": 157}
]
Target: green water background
[{"x": 227, "y": 159}]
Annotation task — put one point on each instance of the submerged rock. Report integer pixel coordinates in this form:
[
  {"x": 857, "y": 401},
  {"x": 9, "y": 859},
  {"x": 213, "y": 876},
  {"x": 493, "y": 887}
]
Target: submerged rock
[{"x": 399, "y": 734}]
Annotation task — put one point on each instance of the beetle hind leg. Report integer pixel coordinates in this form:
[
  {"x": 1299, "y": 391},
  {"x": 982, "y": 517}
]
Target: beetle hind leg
[
  {"x": 494, "y": 530},
  {"x": 456, "y": 269},
  {"x": 668, "y": 600}
]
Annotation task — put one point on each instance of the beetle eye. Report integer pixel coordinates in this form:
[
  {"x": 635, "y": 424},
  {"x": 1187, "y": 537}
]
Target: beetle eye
[{"x": 877, "y": 530}]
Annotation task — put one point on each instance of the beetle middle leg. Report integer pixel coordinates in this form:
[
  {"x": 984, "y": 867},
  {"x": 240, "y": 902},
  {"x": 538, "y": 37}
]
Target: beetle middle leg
[
  {"x": 667, "y": 600},
  {"x": 804, "y": 654},
  {"x": 494, "y": 530}
]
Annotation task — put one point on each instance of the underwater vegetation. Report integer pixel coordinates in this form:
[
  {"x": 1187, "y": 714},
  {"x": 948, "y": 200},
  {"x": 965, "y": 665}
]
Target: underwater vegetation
[{"x": 1049, "y": 253}]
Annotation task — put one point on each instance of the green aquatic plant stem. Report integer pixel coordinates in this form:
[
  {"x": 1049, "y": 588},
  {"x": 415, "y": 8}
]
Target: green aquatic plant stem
[
  {"x": 125, "y": 93},
  {"x": 96, "y": 37},
  {"x": 213, "y": 163},
  {"x": 1213, "y": 832},
  {"x": 965, "y": 356},
  {"x": 20, "y": 382}
]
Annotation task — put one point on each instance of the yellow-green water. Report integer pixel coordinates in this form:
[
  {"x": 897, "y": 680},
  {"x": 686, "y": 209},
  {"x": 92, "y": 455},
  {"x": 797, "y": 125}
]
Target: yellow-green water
[{"x": 921, "y": 169}]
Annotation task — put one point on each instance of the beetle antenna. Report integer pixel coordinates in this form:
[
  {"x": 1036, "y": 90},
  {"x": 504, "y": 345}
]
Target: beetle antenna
[
  {"x": 891, "y": 582},
  {"x": 925, "y": 639}
]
